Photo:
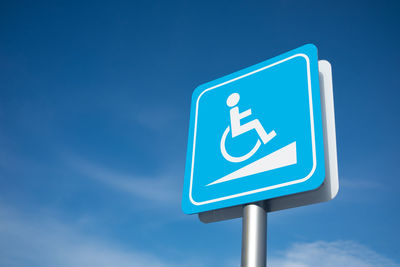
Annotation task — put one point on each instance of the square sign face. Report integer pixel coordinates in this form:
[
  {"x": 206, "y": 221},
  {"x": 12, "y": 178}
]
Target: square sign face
[{"x": 256, "y": 134}]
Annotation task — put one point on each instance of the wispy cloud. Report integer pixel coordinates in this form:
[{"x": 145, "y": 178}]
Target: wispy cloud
[
  {"x": 46, "y": 242},
  {"x": 158, "y": 118},
  {"x": 163, "y": 189},
  {"x": 361, "y": 184},
  {"x": 364, "y": 190},
  {"x": 331, "y": 254},
  {"x": 27, "y": 240}
]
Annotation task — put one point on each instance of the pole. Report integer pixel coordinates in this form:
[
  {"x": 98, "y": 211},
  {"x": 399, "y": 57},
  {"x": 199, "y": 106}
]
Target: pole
[{"x": 254, "y": 235}]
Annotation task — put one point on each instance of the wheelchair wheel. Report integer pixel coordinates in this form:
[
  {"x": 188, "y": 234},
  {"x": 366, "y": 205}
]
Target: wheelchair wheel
[{"x": 230, "y": 158}]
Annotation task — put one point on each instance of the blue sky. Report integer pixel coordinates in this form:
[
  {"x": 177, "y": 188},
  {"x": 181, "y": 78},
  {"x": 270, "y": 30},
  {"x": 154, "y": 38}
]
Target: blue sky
[{"x": 94, "y": 113}]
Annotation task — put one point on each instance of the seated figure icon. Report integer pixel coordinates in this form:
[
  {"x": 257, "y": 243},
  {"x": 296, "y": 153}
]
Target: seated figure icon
[
  {"x": 282, "y": 157},
  {"x": 237, "y": 129}
]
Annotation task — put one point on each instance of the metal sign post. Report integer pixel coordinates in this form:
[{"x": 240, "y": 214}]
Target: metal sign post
[{"x": 254, "y": 235}]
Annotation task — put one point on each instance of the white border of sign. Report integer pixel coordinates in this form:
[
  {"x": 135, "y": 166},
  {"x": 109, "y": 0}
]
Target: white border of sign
[
  {"x": 268, "y": 187},
  {"x": 330, "y": 187}
]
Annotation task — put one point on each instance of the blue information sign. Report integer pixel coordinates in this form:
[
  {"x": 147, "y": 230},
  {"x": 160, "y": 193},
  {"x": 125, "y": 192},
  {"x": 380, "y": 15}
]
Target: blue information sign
[{"x": 256, "y": 134}]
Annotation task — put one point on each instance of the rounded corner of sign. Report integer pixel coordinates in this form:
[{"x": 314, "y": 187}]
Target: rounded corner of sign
[
  {"x": 335, "y": 192},
  {"x": 309, "y": 48},
  {"x": 206, "y": 217},
  {"x": 323, "y": 172},
  {"x": 192, "y": 201},
  {"x": 186, "y": 208},
  {"x": 315, "y": 183},
  {"x": 198, "y": 92},
  {"x": 187, "y": 212},
  {"x": 334, "y": 185},
  {"x": 313, "y": 169},
  {"x": 197, "y": 89},
  {"x": 312, "y": 46},
  {"x": 321, "y": 180},
  {"x": 303, "y": 55},
  {"x": 324, "y": 65}
]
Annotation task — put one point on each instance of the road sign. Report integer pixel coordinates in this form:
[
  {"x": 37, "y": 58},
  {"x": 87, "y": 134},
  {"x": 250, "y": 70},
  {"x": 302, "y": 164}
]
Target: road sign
[
  {"x": 257, "y": 134},
  {"x": 329, "y": 189}
]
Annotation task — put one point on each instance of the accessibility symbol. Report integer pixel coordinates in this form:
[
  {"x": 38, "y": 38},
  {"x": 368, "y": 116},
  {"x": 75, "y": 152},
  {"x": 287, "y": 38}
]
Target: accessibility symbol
[
  {"x": 238, "y": 129},
  {"x": 256, "y": 134},
  {"x": 283, "y": 157}
]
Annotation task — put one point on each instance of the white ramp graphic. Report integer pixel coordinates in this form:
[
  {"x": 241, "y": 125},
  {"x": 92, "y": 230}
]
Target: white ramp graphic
[{"x": 281, "y": 158}]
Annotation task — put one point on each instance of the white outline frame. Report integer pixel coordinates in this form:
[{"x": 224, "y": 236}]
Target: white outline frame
[
  {"x": 268, "y": 187},
  {"x": 330, "y": 187}
]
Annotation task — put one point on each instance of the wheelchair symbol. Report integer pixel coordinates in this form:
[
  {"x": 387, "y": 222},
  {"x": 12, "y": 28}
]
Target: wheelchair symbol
[{"x": 237, "y": 129}]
